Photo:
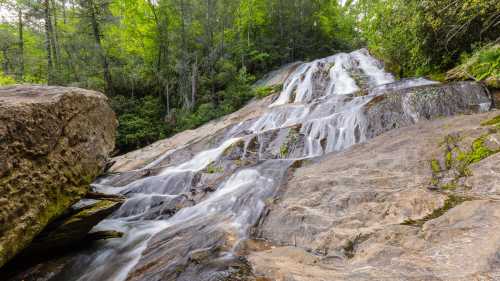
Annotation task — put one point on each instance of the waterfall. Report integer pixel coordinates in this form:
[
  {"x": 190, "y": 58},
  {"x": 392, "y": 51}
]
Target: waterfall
[{"x": 320, "y": 107}]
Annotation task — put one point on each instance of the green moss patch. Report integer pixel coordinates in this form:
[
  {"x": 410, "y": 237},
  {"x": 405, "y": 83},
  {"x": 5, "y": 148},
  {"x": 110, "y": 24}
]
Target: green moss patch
[
  {"x": 265, "y": 91},
  {"x": 457, "y": 161},
  {"x": 291, "y": 140},
  {"x": 214, "y": 169},
  {"x": 478, "y": 152},
  {"x": 495, "y": 121},
  {"x": 435, "y": 166},
  {"x": 451, "y": 202}
]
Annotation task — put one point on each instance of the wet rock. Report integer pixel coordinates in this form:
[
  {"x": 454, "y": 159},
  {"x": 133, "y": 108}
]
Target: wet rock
[
  {"x": 102, "y": 235},
  {"x": 143, "y": 157},
  {"x": 67, "y": 232},
  {"x": 485, "y": 176},
  {"x": 366, "y": 213},
  {"x": 493, "y": 82},
  {"x": 51, "y": 251},
  {"x": 495, "y": 94},
  {"x": 278, "y": 76},
  {"x": 103, "y": 196},
  {"x": 55, "y": 141},
  {"x": 400, "y": 108}
]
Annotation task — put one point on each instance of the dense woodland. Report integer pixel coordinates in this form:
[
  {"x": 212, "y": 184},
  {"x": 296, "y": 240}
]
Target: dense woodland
[{"x": 170, "y": 65}]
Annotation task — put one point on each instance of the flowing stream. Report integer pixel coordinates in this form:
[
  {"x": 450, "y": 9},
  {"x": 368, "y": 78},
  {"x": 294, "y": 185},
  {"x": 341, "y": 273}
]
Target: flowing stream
[{"x": 318, "y": 111}]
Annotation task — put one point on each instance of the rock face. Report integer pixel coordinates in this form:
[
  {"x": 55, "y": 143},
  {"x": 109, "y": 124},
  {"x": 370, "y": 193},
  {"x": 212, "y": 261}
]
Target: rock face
[
  {"x": 67, "y": 232},
  {"x": 403, "y": 107},
  {"x": 55, "y": 141},
  {"x": 370, "y": 213}
]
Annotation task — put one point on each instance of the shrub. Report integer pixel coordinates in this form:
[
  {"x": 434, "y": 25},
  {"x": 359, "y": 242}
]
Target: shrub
[
  {"x": 482, "y": 64},
  {"x": 6, "y": 80},
  {"x": 140, "y": 122}
]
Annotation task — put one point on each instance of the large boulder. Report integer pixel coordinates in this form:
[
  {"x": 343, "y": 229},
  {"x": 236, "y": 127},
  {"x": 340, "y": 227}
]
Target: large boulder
[{"x": 55, "y": 141}]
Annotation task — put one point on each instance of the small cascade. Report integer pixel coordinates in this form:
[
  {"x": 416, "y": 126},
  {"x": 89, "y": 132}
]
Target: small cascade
[{"x": 319, "y": 110}]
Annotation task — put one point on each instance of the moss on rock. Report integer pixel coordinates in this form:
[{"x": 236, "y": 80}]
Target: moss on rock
[
  {"x": 55, "y": 141},
  {"x": 458, "y": 159},
  {"x": 495, "y": 121},
  {"x": 263, "y": 92},
  {"x": 449, "y": 204}
]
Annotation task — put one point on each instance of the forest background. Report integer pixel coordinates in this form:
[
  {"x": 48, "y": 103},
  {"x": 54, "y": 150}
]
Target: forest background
[{"x": 172, "y": 65}]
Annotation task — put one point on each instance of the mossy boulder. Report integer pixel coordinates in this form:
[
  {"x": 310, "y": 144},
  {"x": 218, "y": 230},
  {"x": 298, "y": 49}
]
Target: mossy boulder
[
  {"x": 67, "y": 232},
  {"x": 55, "y": 141}
]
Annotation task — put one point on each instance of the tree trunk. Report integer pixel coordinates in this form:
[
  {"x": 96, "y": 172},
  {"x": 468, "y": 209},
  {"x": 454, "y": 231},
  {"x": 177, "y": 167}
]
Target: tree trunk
[
  {"x": 184, "y": 75},
  {"x": 250, "y": 26},
  {"x": 55, "y": 39},
  {"x": 5, "y": 64},
  {"x": 194, "y": 79},
  {"x": 20, "y": 73},
  {"x": 97, "y": 37},
  {"x": 168, "y": 98},
  {"x": 48, "y": 36}
]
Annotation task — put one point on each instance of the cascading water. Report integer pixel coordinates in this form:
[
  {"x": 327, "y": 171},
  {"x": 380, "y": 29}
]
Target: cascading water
[{"x": 321, "y": 102}]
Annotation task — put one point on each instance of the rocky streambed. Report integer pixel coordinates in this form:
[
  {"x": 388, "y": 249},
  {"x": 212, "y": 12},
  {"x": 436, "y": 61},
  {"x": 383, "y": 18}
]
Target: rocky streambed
[{"x": 345, "y": 174}]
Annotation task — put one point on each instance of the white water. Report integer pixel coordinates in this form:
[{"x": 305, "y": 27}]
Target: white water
[
  {"x": 325, "y": 97},
  {"x": 131, "y": 219},
  {"x": 201, "y": 160}
]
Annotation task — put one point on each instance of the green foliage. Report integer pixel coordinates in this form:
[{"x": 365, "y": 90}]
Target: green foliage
[
  {"x": 238, "y": 91},
  {"x": 6, "y": 80},
  {"x": 284, "y": 150},
  {"x": 435, "y": 166},
  {"x": 495, "y": 121},
  {"x": 192, "y": 61},
  {"x": 213, "y": 169},
  {"x": 450, "y": 28},
  {"x": 477, "y": 153},
  {"x": 140, "y": 121},
  {"x": 483, "y": 63},
  {"x": 291, "y": 141},
  {"x": 391, "y": 30},
  {"x": 262, "y": 92},
  {"x": 427, "y": 37}
]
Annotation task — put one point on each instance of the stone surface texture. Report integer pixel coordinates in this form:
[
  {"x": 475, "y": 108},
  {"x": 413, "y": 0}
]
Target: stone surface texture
[
  {"x": 54, "y": 142},
  {"x": 353, "y": 215}
]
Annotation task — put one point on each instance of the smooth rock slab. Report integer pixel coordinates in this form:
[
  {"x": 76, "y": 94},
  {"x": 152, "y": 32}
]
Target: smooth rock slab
[{"x": 343, "y": 217}]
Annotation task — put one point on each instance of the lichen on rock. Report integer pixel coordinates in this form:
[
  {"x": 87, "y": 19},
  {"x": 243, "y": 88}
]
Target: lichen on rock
[{"x": 55, "y": 141}]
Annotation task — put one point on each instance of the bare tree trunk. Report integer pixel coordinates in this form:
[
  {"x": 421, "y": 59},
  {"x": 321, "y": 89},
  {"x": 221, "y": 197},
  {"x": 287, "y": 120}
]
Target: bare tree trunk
[
  {"x": 48, "y": 36},
  {"x": 63, "y": 3},
  {"x": 251, "y": 23},
  {"x": 241, "y": 40},
  {"x": 168, "y": 98},
  {"x": 55, "y": 39},
  {"x": 281, "y": 27},
  {"x": 184, "y": 76},
  {"x": 71, "y": 66},
  {"x": 210, "y": 50},
  {"x": 194, "y": 79},
  {"x": 97, "y": 36},
  {"x": 161, "y": 75},
  {"x": 5, "y": 64},
  {"x": 20, "y": 73},
  {"x": 159, "y": 32}
]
